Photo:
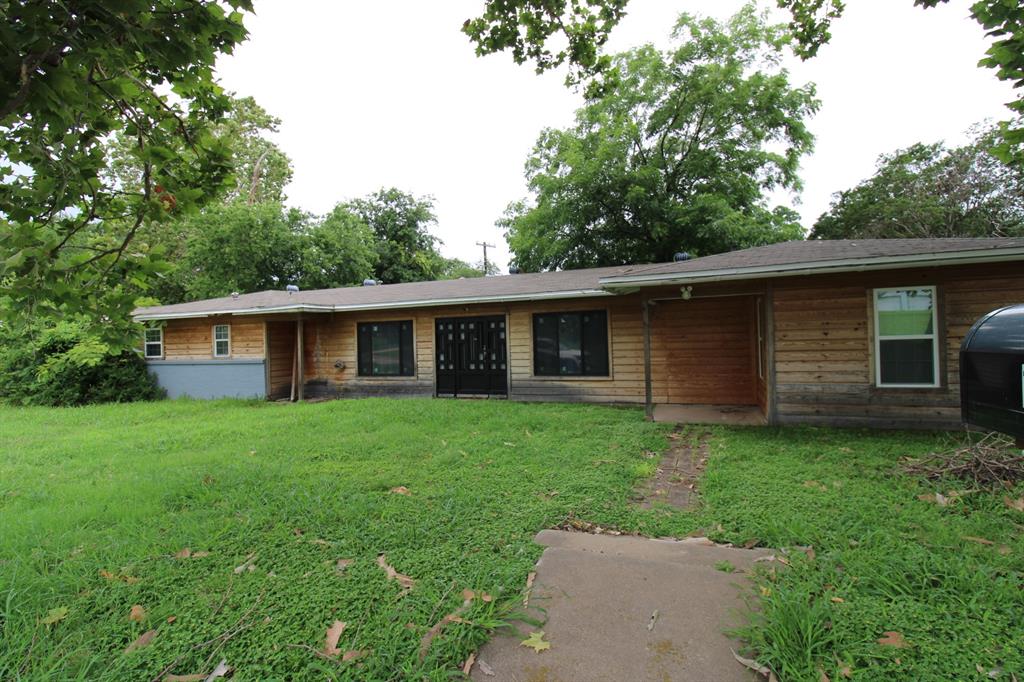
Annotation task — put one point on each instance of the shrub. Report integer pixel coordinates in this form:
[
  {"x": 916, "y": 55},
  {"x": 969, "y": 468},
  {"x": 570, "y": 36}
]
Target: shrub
[{"x": 63, "y": 365}]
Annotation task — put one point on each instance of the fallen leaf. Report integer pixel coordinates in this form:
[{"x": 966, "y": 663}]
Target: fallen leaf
[
  {"x": 332, "y": 637},
  {"x": 894, "y": 639},
  {"x": 652, "y": 621},
  {"x": 751, "y": 543},
  {"x": 54, "y": 615},
  {"x": 766, "y": 591},
  {"x": 171, "y": 619},
  {"x": 468, "y": 594},
  {"x": 352, "y": 655},
  {"x": 809, "y": 551},
  {"x": 401, "y": 490},
  {"x": 248, "y": 565},
  {"x": 769, "y": 557},
  {"x": 484, "y": 668},
  {"x": 846, "y": 672},
  {"x": 130, "y": 579},
  {"x": 936, "y": 498},
  {"x": 183, "y": 554},
  {"x": 137, "y": 613},
  {"x": 405, "y": 581},
  {"x": 104, "y": 573},
  {"x": 487, "y": 599},
  {"x": 200, "y": 554},
  {"x": 453, "y": 617},
  {"x": 222, "y": 670},
  {"x": 822, "y": 677},
  {"x": 752, "y": 664},
  {"x": 817, "y": 485},
  {"x": 838, "y": 600},
  {"x": 143, "y": 640},
  {"x": 321, "y": 541},
  {"x": 468, "y": 665},
  {"x": 1017, "y": 504},
  {"x": 536, "y": 641},
  {"x": 529, "y": 585},
  {"x": 342, "y": 565},
  {"x": 1005, "y": 550},
  {"x": 980, "y": 541}
]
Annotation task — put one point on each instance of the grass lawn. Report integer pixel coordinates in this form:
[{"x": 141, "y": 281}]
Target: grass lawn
[{"x": 97, "y": 504}]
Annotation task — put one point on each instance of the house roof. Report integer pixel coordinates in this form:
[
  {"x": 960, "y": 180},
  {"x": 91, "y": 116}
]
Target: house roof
[{"x": 776, "y": 260}]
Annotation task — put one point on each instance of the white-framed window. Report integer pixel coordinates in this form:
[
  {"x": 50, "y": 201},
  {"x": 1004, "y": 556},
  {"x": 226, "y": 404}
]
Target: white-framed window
[
  {"x": 221, "y": 340},
  {"x": 906, "y": 338},
  {"x": 153, "y": 343}
]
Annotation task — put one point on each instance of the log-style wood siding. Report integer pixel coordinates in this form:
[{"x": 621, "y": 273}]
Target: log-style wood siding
[
  {"x": 818, "y": 363},
  {"x": 824, "y": 344}
]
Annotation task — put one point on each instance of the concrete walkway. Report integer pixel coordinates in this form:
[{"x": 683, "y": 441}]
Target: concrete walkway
[
  {"x": 709, "y": 414},
  {"x": 598, "y": 593}
]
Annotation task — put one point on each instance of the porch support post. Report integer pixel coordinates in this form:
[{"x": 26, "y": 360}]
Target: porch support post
[
  {"x": 648, "y": 391},
  {"x": 769, "y": 333},
  {"x": 300, "y": 361}
]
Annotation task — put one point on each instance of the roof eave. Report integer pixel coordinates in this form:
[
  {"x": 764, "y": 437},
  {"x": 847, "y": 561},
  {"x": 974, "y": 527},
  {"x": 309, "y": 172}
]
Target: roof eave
[
  {"x": 268, "y": 310},
  {"x": 803, "y": 269}
]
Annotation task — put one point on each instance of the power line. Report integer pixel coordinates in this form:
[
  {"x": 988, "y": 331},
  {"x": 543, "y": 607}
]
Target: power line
[{"x": 486, "y": 246}]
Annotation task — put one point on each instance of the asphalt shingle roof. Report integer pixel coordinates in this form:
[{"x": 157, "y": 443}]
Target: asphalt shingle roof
[{"x": 570, "y": 282}]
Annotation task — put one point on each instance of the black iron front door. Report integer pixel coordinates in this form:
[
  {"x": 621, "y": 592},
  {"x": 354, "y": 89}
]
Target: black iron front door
[{"x": 471, "y": 356}]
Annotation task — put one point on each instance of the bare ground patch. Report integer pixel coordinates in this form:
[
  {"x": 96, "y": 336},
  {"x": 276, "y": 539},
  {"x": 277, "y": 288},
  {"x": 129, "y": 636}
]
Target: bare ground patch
[{"x": 676, "y": 478}]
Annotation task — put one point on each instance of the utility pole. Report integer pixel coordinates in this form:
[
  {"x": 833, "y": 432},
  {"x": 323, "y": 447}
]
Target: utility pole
[{"x": 486, "y": 246}]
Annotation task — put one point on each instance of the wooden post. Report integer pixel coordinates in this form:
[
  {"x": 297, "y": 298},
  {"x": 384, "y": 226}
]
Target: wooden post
[
  {"x": 300, "y": 362},
  {"x": 648, "y": 391},
  {"x": 769, "y": 353}
]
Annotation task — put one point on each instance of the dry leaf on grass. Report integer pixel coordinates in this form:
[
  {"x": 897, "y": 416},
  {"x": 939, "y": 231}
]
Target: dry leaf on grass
[
  {"x": 353, "y": 655},
  {"x": 817, "y": 485},
  {"x": 183, "y": 553},
  {"x": 453, "y": 617},
  {"x": 54, "y": 615},
  {"x": 822, "y": 677},
  {"x": 980, "y": 541},
  {"x": 332, "y": 637},
  {"x": 222, "y": 670},
  {"x": 137, "y": 613},
  {"x": 536, "y": 642},
  {"x": 405, "y": 581},
  {"x": 894, "y": 639},
  {"x": 936, "y": 498},
  {"x": 248, "y": 565},
  {"x": 171, "y": 619},
  {"x": 468, "y": 665},
  {"x": 1017, "y": 504},
  {"x": 752, "y": 664},
  {"x": 838, "y": 600},
  {"x": 401, "y": 490},
  {"x": 846, "y": 672},
  {"x": 143, "y": 640},
  {"x": 342, "y": 565}
]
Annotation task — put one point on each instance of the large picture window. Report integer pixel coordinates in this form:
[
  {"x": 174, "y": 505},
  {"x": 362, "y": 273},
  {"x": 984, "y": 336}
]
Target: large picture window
[
  {"x": 386, "y": 349},
  {"x": 906, "y": 338},
  {"x": 153, "y": 343},
  {"x": 570, "y": 344}
]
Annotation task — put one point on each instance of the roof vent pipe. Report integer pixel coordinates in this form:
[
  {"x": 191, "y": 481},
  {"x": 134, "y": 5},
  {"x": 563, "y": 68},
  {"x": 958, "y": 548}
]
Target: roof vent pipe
[
  {"x": 234, "y": 295},
  {"x": 681, "y": 256},
  {"x": 370, "y": 282},
  {"x": 292, "y": 289}
]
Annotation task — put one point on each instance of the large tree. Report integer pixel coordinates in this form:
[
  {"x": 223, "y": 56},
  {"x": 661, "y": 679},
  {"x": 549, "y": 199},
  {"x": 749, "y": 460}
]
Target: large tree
[
  {"x": 675, "y": 151},
  {"x": 929, "y": 190},
  {"x": 401, "y": 222},
  {"x": 71, "y": 75}
]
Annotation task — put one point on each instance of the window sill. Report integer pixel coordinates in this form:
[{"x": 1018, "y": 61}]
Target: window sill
[
  {"x": 386, "y": 377},
  {"x": 569, "y": 377}
]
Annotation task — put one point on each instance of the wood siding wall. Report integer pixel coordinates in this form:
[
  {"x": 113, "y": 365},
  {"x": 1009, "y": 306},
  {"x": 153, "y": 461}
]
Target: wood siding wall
[
  {"x": 824, "y": 345},
  {"x": 193, "y": 339}
]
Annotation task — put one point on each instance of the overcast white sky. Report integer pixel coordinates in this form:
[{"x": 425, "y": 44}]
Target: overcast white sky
[{"x": 390, "y": 93}]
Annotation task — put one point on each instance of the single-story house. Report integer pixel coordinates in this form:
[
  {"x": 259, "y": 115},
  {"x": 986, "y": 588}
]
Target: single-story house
[{"x": 858, "y": 332}]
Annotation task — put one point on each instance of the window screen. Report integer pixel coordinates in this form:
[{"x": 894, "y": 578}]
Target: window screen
[
  {"x": 570, "y": 344},
  {"x": 386, "y": 349},
  {"x": 906, "y": 339}
]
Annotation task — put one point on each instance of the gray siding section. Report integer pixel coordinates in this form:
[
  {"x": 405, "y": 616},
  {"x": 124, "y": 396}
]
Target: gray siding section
[{"x": 211, "y": 378}]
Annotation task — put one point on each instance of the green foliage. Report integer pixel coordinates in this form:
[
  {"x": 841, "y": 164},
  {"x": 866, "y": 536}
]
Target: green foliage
[
  {"x": 674, "y": 151},
  {"x": 124, "y": 488},
  {"x": 339, "y": 250},
  {"x": 71, "y": 75},
  {"x": 406, "y": 251},
  {"x": 928, "y": 190},
  {"x": 65, "y": 365},
  {"x": 548, "y": 33}
]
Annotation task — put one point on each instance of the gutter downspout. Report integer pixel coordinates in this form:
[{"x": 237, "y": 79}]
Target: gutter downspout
[{"x": 648, "y": 391}]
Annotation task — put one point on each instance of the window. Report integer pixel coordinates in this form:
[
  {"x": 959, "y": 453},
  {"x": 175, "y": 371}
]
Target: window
[
  {"x": 386, "y": 349},
  {"x": 153, "y": 342},
  {"x": 906, "y": 338},
  {"x": 570, "y": 344},
  {"x": 221, "y": 340}
]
